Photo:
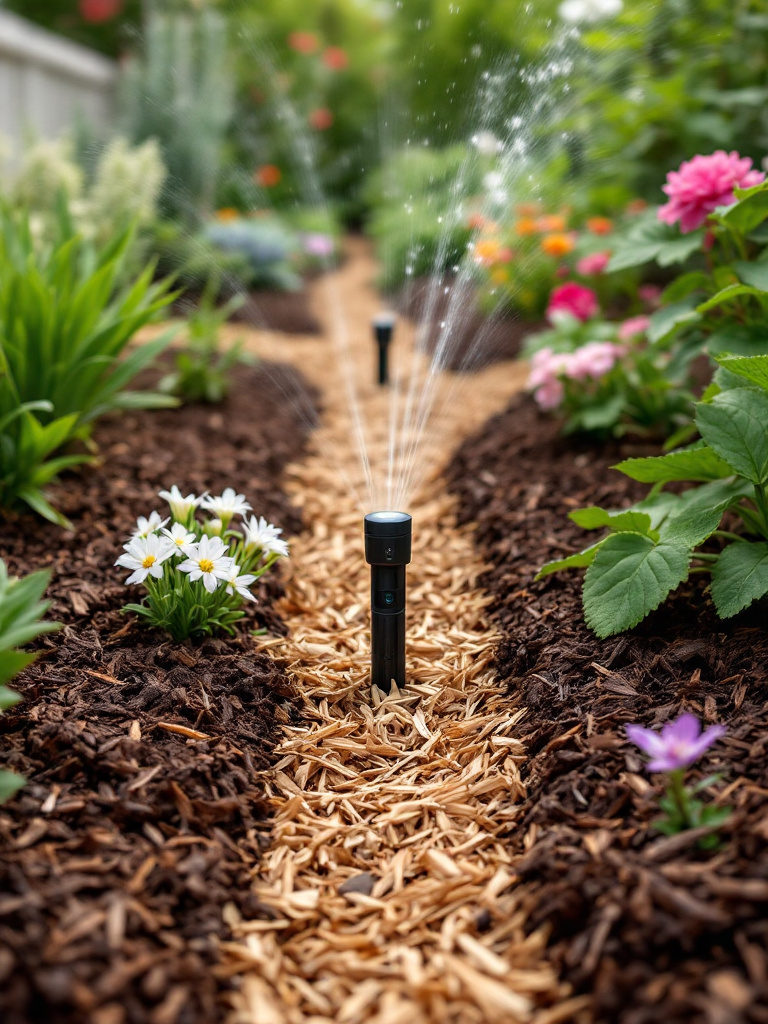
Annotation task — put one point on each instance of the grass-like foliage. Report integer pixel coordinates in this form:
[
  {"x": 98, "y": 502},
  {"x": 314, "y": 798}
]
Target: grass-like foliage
[
  {"x": 21, "y": 611},
  {"x": 651, "y": 549},
  {"x": 202, "y": 372},
  {"x": 65, "y": 322},
  {"x": 197, "y": 572}
]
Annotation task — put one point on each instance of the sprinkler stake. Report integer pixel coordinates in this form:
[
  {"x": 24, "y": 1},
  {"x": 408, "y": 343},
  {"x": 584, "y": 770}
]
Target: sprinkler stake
[
  {"x": 383, "y": 326},
  {"x": 387, "y": 551}
]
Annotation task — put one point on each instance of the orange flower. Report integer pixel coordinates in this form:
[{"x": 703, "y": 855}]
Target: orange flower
[
  {"x": 486, "y": 251},
  {"x": 335, "y": 58},
  {"x": 557, "y": 245},
  {"x": 526, "y": 226},
  {"x": 227, "y": 213},
  {"x": 499, "y": 275},
  {"x": 303, "y": 42},
  {"x": 505, "y": 255},
  {"x": 551, "y": 222},
  {"x": 635, "y": 206},
  {"x": 268, "y": 175},
  {"x": 321, "y": 119},
  {"x": 600, "y": 225},
  {"x": 527, "y": 209}
]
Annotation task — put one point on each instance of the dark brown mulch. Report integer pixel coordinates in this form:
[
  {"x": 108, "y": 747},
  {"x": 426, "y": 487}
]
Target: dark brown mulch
[
  {"x": 656, "y": 929},
  {"x": 286, "y": 312},
  {"x": 475, "y": 339},
  {"x": 130, "y": 837}
]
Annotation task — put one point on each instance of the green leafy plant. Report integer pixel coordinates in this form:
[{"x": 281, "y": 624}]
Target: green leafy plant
[
  {"x": 605, "y": 378},
  {"x": 21, "y": 610},
  {"x": 202, "y": 372},
  {"x": 65, "y": 323},
  {"x": 654, "y": 546},
  {"x": 197, "y": 575}
]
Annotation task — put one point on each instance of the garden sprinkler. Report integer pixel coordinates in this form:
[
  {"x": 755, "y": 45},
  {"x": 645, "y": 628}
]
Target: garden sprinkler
[
  {"x": 387, "y": 551},
  {"x": 383, "y": 325}
]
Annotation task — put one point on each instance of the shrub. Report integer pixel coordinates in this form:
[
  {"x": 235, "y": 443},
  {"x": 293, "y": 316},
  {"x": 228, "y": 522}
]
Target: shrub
[
  {"x": 21, "y": 610},
  {"x": 64, "y": 325}
]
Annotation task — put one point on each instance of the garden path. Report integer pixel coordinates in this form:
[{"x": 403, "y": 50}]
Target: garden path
[{"x": 387, "y": 892}]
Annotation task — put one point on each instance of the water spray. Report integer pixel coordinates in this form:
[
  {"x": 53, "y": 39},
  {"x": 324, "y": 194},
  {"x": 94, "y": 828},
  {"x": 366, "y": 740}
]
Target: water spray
[
  {"x": 383, "y": 326},
  {"x": 387, "y": 551}
]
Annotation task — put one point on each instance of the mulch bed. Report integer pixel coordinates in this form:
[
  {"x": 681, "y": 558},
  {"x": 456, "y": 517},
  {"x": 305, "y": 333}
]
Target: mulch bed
[
  {"x": 287, "y": 312},
  {"x": 475, "y": 339},
  {"x": 656, "y": 929},
  {"x": 144, "y": 807}
]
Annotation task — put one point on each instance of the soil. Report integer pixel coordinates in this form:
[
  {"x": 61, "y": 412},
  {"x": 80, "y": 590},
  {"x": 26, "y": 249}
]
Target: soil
[
  {"x": 476, "y": 340},
  {"x": 655, "y": 928},
  {"x": 144, "y": 805}
]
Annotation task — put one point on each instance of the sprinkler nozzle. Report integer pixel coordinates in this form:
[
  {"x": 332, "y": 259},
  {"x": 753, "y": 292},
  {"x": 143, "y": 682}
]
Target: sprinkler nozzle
[
  {"x": 388, "y": 551},
  {"x": 383, "y": 326}
]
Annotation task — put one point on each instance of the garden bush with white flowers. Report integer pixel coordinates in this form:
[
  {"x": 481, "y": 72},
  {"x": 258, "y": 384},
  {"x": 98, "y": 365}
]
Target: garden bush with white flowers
[{"x": 198, "y": 564}]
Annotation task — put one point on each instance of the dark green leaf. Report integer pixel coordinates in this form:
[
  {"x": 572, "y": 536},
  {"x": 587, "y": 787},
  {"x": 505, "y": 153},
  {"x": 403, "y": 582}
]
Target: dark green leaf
[{"x": 739, "y": 577}]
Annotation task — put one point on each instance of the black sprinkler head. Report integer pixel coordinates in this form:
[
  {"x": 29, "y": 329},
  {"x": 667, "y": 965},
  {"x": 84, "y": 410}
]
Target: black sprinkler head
[
  {"x": 383, "y": 326},
  {"x": 388, "y": 551}
]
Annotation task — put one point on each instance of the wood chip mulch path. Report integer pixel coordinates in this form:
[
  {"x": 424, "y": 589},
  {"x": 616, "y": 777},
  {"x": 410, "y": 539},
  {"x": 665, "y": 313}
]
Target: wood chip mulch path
[
  {"x": 144, "y": 806},
  {"x": 387, "y": 892},
  {"x": 650, "y": 929}
]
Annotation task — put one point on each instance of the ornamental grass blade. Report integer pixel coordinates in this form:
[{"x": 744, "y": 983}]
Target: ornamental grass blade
[{"x": 629, "y": 577}]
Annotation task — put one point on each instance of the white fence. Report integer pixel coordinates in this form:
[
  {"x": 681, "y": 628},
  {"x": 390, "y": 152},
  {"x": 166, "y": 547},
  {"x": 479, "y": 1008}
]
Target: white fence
[{"x": 46, "y": 82}]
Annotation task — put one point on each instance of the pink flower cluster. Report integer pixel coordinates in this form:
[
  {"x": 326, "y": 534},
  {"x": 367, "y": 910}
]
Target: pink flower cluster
[
  {"x": 592, "y": 360},
  {"x": 704, "y": 183},
  {"x": 575, "y": 300},
  {"x": 595, "y": 263}
]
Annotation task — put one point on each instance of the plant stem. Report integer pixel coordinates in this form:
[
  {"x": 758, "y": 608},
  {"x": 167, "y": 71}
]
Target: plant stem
[{"x": 679, "y": 795}]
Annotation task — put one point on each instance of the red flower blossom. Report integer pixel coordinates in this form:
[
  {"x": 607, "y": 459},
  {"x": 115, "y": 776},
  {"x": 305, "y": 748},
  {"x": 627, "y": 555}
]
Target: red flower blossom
[
  {"x": 574, "y": 299},
  {"x": 335, "y": 58},
  {"x": 303, "y": 42},
  {"x": 97, "y": 11},
  {"x": 321, "y": 119},
  {"x": 268, "y": 175}
]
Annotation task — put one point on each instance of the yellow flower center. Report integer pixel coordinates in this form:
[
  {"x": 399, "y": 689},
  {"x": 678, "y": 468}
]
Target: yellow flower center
[
  {"x": 149, "y": 561},
  {"x": 206, "y": 564}
]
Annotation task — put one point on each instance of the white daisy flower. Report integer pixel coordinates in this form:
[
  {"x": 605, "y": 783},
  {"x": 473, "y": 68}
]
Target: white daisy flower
[
  {"x": 207, "y": 561},
  {"x": 145, "y": 555},
  {"x": 147, "y": 526},
  {"x": 261, "y": 534},
  {"x": 226, "y": 505},
  {"x": 180, "y": 536},
  {"x": 238, "y": 583},
  {"x": 180, "y": 506}
]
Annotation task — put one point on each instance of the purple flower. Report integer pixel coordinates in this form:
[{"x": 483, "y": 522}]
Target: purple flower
[{"x": 678, "y": 745}]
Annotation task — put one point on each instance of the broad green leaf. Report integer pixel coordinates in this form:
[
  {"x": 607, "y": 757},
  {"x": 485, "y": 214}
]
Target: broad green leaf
[
  {"x": 748, "y": 212},
  {"x": 733, "y": 291},
  {"x": 8, "y": 697},
  {"x": 735, "y": 425},
  {"x": 686, "y": 285},
  {"x": 753, "y": 273},
  {"x": 579, "y": 560},
  {"x": 650, "y": 239},
  {"x": 629, "y": 577},
  {"x": 739, "y": 577},
  {"x": 10, "y": 784},
  {"x": 691, "y": 527},
  {"x": 753, "y": 368},
  {"x": 698, "y": 463},
  {"x": 596, "y": 518},
  {"x": 665, "y": 321},
  {"x": 742, "y": 340}
]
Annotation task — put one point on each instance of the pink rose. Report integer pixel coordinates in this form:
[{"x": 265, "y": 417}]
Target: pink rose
[
  {"x": 550, "y": 394},
  {"x": 595, "y": 263},
  {"x": 593, "y": 360},
  {"x": 704, "y": 183},
  {"x": 635, "y": 325},
  {"x": 574, "y": 299}
]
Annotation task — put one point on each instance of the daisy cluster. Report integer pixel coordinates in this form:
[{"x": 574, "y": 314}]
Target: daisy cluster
[{"x": 208, "y": 540}]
